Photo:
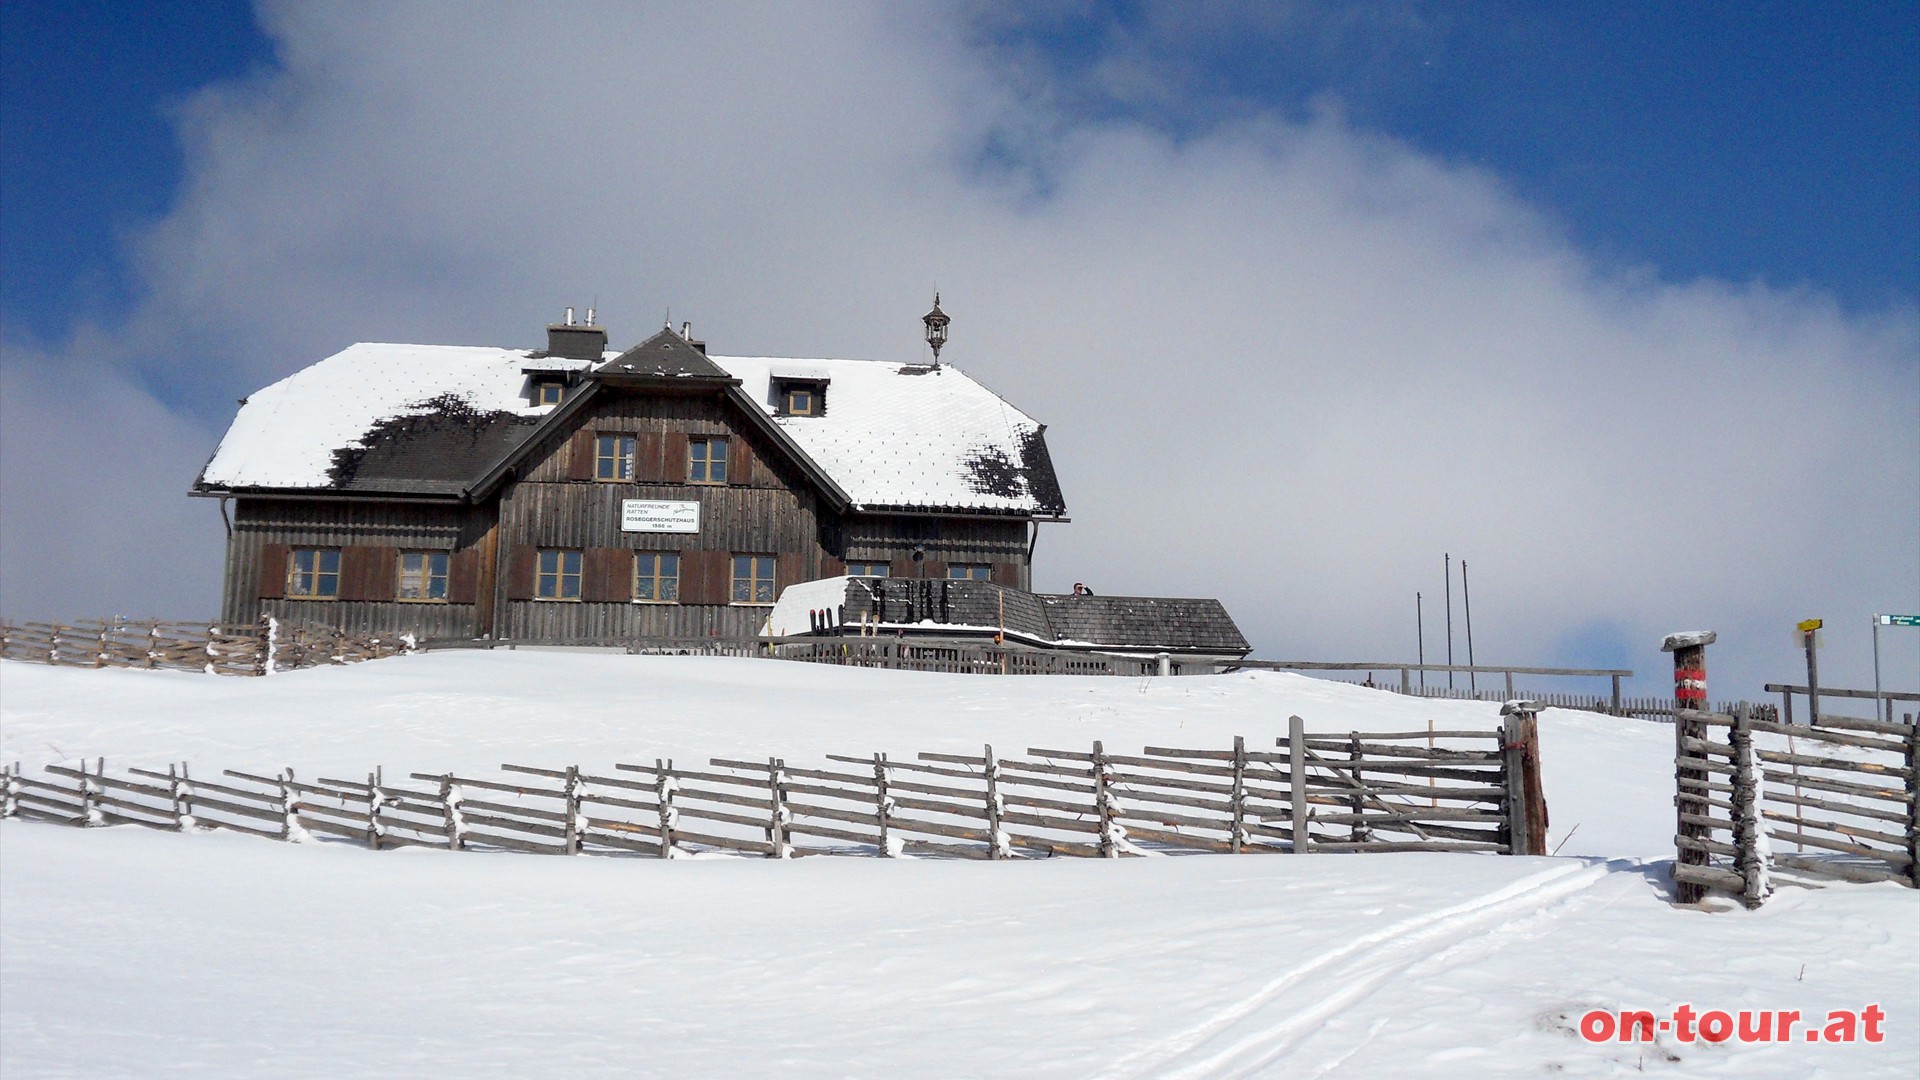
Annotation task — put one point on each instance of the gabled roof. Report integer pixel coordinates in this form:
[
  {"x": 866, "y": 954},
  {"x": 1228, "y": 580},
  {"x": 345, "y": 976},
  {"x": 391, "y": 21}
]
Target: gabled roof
[
  {"x": 449, "y": 421},
  {"x": 950, "y": 607},
  {"x": 664, "y": 355}
]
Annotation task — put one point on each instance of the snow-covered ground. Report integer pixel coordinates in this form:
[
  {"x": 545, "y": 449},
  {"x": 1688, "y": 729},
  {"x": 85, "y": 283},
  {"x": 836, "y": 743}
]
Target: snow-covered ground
[{"x": 130, "y": 952}]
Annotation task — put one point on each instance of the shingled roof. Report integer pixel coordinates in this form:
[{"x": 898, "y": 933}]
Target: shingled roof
[
  {"x": 391, "y": 419},
  {"x": 952, "y": 607}
]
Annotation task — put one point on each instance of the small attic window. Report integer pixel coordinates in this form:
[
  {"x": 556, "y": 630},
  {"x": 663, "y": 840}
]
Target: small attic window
[
  {"x": 549, "y": 391},
  {"x": 800, "y": 397}
]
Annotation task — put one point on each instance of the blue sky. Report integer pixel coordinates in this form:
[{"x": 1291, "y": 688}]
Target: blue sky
[
  {"x": 1772, "y": 141},
  {"x": 1540, "y": 286}
]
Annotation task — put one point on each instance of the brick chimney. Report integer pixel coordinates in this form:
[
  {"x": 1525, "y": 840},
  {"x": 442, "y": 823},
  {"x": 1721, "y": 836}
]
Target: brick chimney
[{"x": 571, "y": 340}]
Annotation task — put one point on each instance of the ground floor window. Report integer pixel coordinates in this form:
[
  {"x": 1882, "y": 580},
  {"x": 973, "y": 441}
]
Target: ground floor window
[
  {"x": 867, "y": 569},
  {"x": 965, "y": 571},
  {"x": 656, "y": 577},
  {"x": 423, "y": 576},
  {"x": 559, "y": 575},
  {"x": 313, "y": 574},
  {"x": 753, "y": 579}
]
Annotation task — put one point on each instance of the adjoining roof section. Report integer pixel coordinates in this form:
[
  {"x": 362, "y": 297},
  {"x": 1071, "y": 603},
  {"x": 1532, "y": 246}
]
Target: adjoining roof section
[
  {"x": 378, "y": 417},
  {"x": 912, "y": 438},
  {"x": 969, "y": 608},
  {"x": 665, "y": 355}
]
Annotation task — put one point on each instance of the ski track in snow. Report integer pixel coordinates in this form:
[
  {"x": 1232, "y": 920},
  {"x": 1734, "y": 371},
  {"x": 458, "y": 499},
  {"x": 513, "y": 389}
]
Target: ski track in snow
[{"x": 1263, "y": 1029}]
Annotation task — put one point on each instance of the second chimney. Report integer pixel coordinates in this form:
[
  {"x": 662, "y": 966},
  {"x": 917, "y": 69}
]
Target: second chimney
[{"x": 576, "y": 341}]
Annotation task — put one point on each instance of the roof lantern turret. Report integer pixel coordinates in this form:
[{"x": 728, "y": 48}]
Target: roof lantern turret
[{"x": 936, "y": 321}]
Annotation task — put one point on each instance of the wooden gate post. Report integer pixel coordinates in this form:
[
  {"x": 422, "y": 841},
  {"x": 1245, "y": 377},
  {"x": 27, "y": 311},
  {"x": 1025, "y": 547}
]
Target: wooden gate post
[
  {"x": 1526, "y": 798},
  {"x": 1689, "y": 651},
  {"x": 1297, "y": 766}
]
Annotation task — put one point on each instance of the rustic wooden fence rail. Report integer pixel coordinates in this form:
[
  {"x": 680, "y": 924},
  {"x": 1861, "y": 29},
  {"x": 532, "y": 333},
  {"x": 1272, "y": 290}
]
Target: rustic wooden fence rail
[
  {"x": 260, "y": 648},
  {"x": 1840, "y": 793},
  {"x": 1462, "y": 791}
]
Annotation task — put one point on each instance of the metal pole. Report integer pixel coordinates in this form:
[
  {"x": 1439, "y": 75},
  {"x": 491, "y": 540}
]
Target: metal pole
[
  {"x": 1447, "y": 566},
  {"x": 1466, "y": 598},
  {"x": 1813, "y": 678},
  {"x": 1420, "y": 630},
  {"x": 1880, "y": 710}
]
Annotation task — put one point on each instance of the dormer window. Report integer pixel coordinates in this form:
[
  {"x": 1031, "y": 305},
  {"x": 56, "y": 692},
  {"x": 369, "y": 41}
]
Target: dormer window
[
  {"x": 800, "y": 397},
  {"x": 549, "y": 391}
]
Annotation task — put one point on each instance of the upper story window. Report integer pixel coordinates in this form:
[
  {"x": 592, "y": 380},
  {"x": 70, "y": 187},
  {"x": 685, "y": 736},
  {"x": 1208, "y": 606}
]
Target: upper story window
[
  {"x": 707, "y": 460},
  {"x": 656, "y": 577},
  {"x": 753, "y": 579},
  {"x": 313, "y": 574},
  {"x": 423, "y": 576},
  {"x": 800, "y": 397},
  {"x": 962, "y": 571},
  {"x": 868, "y": 569},
  {"x": 559, "y": 575},
  {"x": 613, "y": 457},
  {"x": 549, "y": 391}
]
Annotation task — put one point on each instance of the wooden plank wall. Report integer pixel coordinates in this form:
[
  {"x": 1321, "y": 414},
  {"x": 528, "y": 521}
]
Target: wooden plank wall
[{"x": 261, "y": 522}]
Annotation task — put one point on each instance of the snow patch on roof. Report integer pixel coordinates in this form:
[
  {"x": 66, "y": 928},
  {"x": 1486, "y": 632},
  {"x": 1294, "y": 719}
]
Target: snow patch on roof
[
  {"x": 286, "y": 434},
  {"x": 903, "y": 435}
]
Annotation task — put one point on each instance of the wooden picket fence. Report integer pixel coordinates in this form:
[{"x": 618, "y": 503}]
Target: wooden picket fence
[
  {"x": 1457, "y": 791},
  {"x": 1746, "y": 786},
  {"x": 260, "y": 648}
]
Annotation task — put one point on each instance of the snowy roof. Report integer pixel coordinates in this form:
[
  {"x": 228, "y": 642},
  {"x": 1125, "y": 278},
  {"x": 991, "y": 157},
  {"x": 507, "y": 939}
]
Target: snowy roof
[
  {"x": 902, "y": 435},
  {"x": 957, "y": 607},
  {"x": 434, "y": 419},
  {"x": 300, "y": 431}
]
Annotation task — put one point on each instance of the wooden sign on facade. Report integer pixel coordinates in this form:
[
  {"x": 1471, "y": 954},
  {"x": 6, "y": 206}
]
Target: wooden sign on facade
[{"x": 657, "y": 516}]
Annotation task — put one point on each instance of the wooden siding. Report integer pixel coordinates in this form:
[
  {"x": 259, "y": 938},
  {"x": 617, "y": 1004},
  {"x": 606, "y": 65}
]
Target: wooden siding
[
  {"x": 265, "y": 530},
  {"x": 998, "y": 542}
]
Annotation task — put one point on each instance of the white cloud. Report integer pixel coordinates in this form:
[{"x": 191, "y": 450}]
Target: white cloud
[{"x": 1285, "y": 363}]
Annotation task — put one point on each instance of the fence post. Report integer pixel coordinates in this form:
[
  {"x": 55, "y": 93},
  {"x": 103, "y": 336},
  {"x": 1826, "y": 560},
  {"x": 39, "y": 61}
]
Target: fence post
[
  {"x": 287, "y": 822},
  {"x": 997, "y": 846},
  {"x": 571, "y": 846},
  {"x": 1616, "y": 696},
  {"x": 86, "y": 794},
  {"x": 373, "y": 810},
  {"x": 450, "y": 802},
  {"x": 1297, "y": 769},
  {"x": 1103, "y": 802},
  {"x": 100, "y": 651},
  {"x": 1356, "y": 803},
  {"x": 777, "y": 826},
  {"x": 1748, "y": 838},
  {"x": 1689, "y": 651},
  {"x": 1913, "y": 801},
  {"x": 663, "y": 788},
  {"x": 882, "y": 805},
  {"x": 181, "y": 797},
  {"x": 1526, "y": 801},
  {"x": 1239, "y": 794},
  {"x": 9, "y": 797}
]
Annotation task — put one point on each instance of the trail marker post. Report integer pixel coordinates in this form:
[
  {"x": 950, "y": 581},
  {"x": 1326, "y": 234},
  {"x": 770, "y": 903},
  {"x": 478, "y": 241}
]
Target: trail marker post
[{"x": 1689, "y": 651}]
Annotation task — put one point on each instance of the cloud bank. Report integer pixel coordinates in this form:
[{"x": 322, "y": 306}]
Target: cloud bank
[{"x": 1283, "y": 361}]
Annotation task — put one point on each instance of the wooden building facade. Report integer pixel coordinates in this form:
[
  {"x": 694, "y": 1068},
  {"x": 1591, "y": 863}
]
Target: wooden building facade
[{"x": 571, "y": 495}]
